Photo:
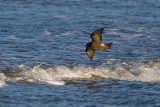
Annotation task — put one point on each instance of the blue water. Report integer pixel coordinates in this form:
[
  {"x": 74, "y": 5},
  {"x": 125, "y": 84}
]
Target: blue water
[{"x": 43, "y": 60}]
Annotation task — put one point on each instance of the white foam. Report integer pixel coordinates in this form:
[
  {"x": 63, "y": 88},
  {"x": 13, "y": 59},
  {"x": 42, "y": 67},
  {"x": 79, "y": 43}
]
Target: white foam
[
  {"x": 47, "y": 33},
  {"x": 39, "y": 74},
  {"x": 57, "y": 75},
  {"x": 2, "y": 80},
  {"x": 34, "y": 74},
  {"x": 149, "y": 74}
]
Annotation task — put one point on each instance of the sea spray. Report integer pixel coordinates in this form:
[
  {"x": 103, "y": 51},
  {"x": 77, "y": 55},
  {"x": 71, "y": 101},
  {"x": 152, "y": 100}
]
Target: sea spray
[{"x": 57, "y": 75}]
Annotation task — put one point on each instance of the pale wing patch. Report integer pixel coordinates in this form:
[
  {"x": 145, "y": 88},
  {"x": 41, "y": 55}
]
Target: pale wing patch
[
  {"x": 102, "y": 44},
  {"x": 106, "y": 46}
]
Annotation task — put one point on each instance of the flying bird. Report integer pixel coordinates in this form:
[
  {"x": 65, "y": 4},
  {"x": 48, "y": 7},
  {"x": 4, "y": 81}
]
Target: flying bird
[{"x": 96, "y": 43}]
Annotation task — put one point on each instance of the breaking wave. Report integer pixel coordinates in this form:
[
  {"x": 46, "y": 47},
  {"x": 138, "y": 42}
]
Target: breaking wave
[{"x": 57, "y": 75}]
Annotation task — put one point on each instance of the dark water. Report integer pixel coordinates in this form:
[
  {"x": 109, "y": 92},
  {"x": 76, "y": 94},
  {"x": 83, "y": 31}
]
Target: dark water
[{"x": 43, "y": 60}]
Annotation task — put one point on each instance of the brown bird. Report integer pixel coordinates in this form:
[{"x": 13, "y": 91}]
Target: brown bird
[{"x": 96, "y": 43}]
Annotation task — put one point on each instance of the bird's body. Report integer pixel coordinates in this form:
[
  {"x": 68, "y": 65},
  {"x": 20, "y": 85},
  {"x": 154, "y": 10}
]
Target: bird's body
[{"x": 96, "y": 43}]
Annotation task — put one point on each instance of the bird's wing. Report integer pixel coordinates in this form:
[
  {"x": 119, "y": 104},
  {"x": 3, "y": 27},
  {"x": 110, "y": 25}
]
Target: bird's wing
[
  {"x": 97, "y": 36},
  {"x": 90, "y": 52}
]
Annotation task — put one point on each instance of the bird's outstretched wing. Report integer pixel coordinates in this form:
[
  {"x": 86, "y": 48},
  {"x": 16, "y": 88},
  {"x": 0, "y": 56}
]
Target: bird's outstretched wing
[
  {"x": 97, "y": 36},
  {"x": 89, "y": 51}
]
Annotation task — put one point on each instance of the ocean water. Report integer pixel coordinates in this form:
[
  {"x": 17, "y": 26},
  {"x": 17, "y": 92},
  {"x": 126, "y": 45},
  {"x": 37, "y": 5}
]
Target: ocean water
[{"x": 43, "y": 60}]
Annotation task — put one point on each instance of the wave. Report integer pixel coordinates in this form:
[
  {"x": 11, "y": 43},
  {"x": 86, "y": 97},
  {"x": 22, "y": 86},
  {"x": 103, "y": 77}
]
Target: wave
[
  {"x": 57, "y": 75},
  {"x": 2, "y": 80}
]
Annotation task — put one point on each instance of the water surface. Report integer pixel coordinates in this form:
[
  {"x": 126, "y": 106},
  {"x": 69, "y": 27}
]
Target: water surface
[{"x": 43, "y": 60}]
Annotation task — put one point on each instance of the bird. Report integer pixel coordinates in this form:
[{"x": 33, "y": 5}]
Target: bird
[{"x": 96, "y": 43}]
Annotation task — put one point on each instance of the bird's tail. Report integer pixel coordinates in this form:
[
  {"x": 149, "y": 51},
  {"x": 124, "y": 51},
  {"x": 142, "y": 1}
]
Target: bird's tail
[{"x": 106, "y": 46}]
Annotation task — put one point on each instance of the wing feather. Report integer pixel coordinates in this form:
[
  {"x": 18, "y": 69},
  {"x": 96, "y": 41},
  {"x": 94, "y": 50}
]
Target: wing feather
[
  {"x": 97, "y": 36},
  {"x": 90, "y": 51}
]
